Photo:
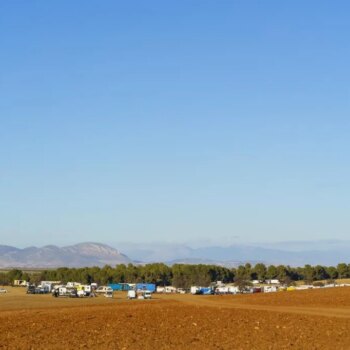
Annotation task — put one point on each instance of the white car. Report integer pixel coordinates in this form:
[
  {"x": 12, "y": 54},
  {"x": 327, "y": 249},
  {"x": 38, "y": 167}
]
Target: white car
[
  {"x": 145, "y": 294},
  {"x": 104, "y": 289},
  {"x": 2, "y": 290}
]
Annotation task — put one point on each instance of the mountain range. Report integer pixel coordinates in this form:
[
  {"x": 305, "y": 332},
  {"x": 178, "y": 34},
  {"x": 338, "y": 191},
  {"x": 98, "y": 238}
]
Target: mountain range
[
  {"x": 50, "y": 256},
  {"x": 293, "y": 253}
]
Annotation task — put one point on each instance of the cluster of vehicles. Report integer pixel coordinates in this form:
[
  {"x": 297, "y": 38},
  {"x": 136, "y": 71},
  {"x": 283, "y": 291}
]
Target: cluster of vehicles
[
  {"x": 71, "y": 289},
  {"x": 170, "y": 290},
  {"x": 222, "y": 289},
  {"x": 78, "y": 290},
  {"x": 137, "y": 290},
  {"x": 134, "y": 290},
  {"x": 81, "y": 291},
  {"x": 44, "y": 287},
  {"x": 139, "y": 294}
]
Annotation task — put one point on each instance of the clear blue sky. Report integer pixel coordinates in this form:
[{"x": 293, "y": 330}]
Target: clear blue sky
[{"x": 174, "y": 121}]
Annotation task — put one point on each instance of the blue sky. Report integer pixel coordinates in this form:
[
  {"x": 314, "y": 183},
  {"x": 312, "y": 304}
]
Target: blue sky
[{"x": 218, "y": 121}]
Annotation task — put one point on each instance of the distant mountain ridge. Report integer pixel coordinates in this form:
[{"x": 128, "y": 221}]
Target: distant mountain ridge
[
  {"x": 295, "y": 253},
  {"x": 51, "y": 256}
]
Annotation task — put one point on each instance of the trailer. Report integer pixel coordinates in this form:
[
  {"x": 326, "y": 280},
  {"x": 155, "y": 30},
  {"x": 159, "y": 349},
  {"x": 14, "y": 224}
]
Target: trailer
[
  {"x": 222, "y": 290},
  {"x": 207, "y": 290},
  {"x": 270, "y": 289},
  {"x": 120, "y": 286},
  {"x": 170, "y": 289},
  {"x": 146, "y": 286},
  {"x": 202, "y": 290},
  {"x": 273, "y": 281},
  {"x": 20, "y": 283},
  {"x": 180, "y": 291},
  {"x": 49, "y": 284},
  {"x": 73, "y": 284}
]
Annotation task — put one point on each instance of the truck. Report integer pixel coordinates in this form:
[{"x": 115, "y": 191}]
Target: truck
[
  {"x": 195, "y": 290},
  {"x": 32, "y": 289},
  {"x": 84, "y": 290},
  {"x": 68, "y": 292},
  {"x": 202, "y": 290},
  {"x": 146, "y": 286}
]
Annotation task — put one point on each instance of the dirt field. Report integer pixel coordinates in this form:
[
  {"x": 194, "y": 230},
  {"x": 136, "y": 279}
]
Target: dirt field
[{"x": 312, "y": 319}]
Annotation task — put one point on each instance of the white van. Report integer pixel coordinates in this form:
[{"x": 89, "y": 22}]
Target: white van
[{"x": 131, "y": 294}]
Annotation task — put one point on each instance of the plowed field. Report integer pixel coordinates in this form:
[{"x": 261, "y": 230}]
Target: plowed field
[{"x": 315, "y": 319}]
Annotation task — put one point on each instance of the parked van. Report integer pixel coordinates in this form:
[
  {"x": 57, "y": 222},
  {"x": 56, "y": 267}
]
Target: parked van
[
  {"x": 131, "y": 294},
  {"x": 144, "y": 294}
]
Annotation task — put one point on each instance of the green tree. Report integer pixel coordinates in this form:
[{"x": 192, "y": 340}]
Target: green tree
[
  {"x": 282, "y": 274},
  {"x": 14, "y": 274},
  {"x": 259, "y": 272},
  {"x": 320, "y": 272},
  {"x": 271, "y": 272},
  {"x": 309, "y": 273},
  {"x": 343, "y": 270}
]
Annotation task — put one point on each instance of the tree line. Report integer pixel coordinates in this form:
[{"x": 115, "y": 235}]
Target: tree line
[{"x": 180, "y": 275}]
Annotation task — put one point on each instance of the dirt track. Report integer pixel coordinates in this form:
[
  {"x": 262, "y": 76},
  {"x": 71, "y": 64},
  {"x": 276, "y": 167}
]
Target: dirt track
[{"x": 276, "y": 321}]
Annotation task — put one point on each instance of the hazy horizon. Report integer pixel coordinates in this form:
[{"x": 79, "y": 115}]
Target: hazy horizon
[
  {"x": 293, "y": 253},
  {"x": 284, "y": 245},
  {"x": 188, "y": 121}
]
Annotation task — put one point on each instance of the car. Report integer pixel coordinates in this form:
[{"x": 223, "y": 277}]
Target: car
[
  {"x": 104, "y": 289},
  {"x": 144, "y": 294},
  {"x": 3, "y": 290},
  {"x": 147, "y": 294},
  {"x": 109, "y": 293}
]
